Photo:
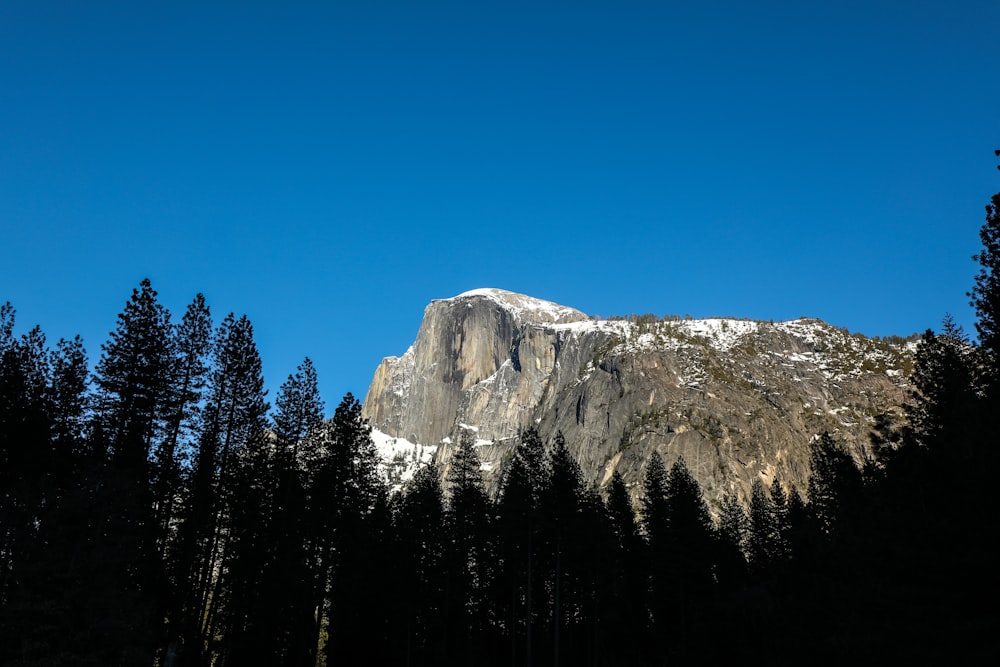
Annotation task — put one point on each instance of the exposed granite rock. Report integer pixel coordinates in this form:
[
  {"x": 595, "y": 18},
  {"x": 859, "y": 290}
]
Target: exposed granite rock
[{"x": 738, "y": 399}]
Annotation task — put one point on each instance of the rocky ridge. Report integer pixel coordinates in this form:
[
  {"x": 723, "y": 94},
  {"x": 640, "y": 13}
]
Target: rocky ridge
[{"x": 739, "y": 399}]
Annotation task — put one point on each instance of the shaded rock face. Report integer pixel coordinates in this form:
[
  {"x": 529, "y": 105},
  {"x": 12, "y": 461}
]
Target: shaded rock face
[{"x": 739, "y": 400}]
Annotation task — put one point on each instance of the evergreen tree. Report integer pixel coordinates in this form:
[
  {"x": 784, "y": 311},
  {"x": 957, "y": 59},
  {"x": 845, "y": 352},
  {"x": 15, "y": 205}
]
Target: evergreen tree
[
  {"x": 190, "y": 345},
  {"x": 577, "y": 531},
  {"x": 656, "y": 526},
  {"x": 945, "y": 391},
  {"x": 234, "y": 416},
  {"x": 688, "y": 555},
  {"x": 299, "y": 406},
  {"x": 468, "y": 551},
  {"x": 834, "y": 485},
  {"x": 623, "y": 607},
  {"x": 732, "y": 531},
  {"x": 245, "y": 613},
  {"x": 763, "y": 535},
  {"x": 134, "y": 385},
  {"x": 520, "y": 524},
  {"x": 420, "y": 532},
  {"x": 985, "y": 295},
  {"x": 346, "y": 525},
  {"x": 26, "y": 478},
  {"x": 779, "y": 505},
  {"x": 286, "y": 591},
  {"x": 654, "y": 502},
  {"x": 25, "y": 452}
]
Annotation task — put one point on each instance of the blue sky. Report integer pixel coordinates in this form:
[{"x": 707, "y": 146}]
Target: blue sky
[{"x": 329, "y": 168}]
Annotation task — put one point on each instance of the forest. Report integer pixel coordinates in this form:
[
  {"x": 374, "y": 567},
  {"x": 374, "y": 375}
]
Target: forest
[{"x": 155, "y": 509}]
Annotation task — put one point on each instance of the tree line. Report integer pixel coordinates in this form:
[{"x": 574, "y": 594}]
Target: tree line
[{"x": 158, "y": 511}]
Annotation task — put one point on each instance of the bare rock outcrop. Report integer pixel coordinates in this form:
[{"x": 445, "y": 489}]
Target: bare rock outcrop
[{"x": 740, "y": 400}]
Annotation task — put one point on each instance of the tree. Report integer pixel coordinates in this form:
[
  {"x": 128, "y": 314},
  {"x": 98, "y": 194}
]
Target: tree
[
  {"x": 656, "y": 526},
  {"x": 234, "y": 416},
  {"x": 654, "y": 502},
  {"x": 420, "y": 532},
  {"x": 624, "y": 609},
  {"x": 985, "y": 295},
  {"x": 190, "y": 345},
  {"x": 573, "y": 591},
  {"x": 519, "y": 528},
  {"x": 286, "y": 590},
  {"x": 834, "y": 483},
  {"x": 688, "y": 553},
  {"x": 346, "y": 523},
  {"x": 134, "y": 385},
  {"x": 732, "y": 531},
  {"x": 26, "y": 458},
  {"x": 763, "y": 535},
  {"x": 468, "y": 556}
]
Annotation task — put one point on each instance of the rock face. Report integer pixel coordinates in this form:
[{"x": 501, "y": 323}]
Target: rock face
[{"x": 740, "y": 400}]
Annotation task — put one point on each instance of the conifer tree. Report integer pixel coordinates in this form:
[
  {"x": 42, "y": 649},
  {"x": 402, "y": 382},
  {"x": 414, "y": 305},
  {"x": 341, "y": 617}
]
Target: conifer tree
[
  {"x": 234, "y": 416},
  {"x": 190, "y": 344},
  {"x": 779, "y": 505},
  {"x": 623, "y": 609},
  {"x": 689, "y": 553},
  {"x": 134, "y": 385},
  {"x": 656, "y": 527},
  {"x": 763, "y": 534},
  {"x": 286, "y": 591},
  {"x": 576, "y": 526},
  {"x": 520, "y": 524},
  {"x": 468, "y": 549},
  {"x": 420, "y": 531},
  {"x": 732, "y": 530},
  {"x": 985, "y": 295},
  {"x": 945, "y": 391},
  {"x": 834, "y": 483},
  {"x": 25, "y": 448},
  {"x": 346, "y": 524}
]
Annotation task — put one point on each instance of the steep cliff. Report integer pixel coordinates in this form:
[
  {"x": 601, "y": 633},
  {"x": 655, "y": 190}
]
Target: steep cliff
[{"x": 738, "y": 399}]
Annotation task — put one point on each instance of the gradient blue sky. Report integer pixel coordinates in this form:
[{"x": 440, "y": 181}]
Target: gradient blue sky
[{"x": 329, "y": 168}]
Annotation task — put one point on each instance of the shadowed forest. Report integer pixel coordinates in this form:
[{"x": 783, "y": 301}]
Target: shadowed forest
[{"x": 157, "y": 510}]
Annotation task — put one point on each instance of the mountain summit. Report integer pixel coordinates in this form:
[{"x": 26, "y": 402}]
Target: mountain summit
[{"x": 739, "y": 399}]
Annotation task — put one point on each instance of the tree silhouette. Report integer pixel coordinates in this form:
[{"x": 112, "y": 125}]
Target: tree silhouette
[{"x": 468, "y": 553}]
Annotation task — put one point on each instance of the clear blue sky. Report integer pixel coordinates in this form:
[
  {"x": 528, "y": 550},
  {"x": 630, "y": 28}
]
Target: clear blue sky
[{"x": 329, "y": 168}]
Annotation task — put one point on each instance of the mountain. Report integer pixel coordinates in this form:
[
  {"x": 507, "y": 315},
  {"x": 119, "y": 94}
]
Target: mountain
[{"x": 739, "y": 399}]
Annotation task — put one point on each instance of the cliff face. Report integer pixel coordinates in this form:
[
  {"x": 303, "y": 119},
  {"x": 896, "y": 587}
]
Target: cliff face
[{"x": 739, "y": 400}]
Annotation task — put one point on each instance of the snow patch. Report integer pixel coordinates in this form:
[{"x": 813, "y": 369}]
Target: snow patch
[{"x": 400, "y": 458}]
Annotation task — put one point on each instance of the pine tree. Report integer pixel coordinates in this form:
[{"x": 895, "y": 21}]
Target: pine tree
[
  {"x": 656, "y": 527},
  {"x": 623, "y": 607},
  {"x": 25, "y": 449},
  {"x": 520, "y": 523},
  {"x": 420, "y": 531},
  {"x": 763, "y": 534},
  {"x": 732, "y": 531},
  {"x": 234, "y": 416},
  {"x": 468, "y": 553},
  {"x": 286, "y": 591},
  {"x": 654, "y": 503},
  {"x": 346, "y": 524},
  {"x": 779, "y": 505},
  {"x": 134, "y": 385},
  {"x": 26, "y": 476},
  {"x": 985, "y": 295},
  {"x": 834, "y": 483},
  {"x": 689, "y": 553},
  {"x": 190, "y": 344}
]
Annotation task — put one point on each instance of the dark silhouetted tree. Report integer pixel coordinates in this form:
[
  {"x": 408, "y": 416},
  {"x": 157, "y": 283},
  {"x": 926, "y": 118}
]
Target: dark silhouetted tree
[
  {"x": 134, "y": 386},
  {"x": 468, "y": 554},
  {"x": 519, "y": 528}
]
